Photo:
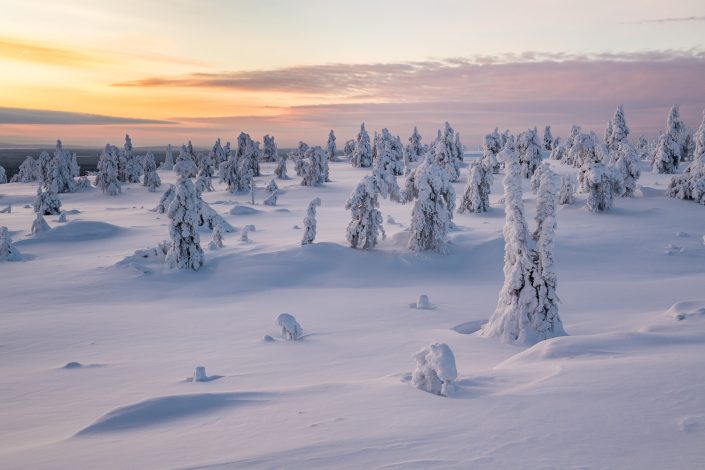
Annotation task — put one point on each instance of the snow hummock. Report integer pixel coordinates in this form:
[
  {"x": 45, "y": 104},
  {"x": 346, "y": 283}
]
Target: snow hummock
[
  {"x": 435, "y": 369},
  {"x": 290, "y": 328}
]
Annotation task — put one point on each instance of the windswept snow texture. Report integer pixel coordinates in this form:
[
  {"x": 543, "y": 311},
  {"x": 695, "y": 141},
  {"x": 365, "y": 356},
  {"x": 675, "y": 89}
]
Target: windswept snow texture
[{"x": 625, "y": 389}]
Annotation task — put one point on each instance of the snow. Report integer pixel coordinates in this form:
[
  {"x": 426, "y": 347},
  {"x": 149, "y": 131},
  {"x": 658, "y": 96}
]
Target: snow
[{"x": 626, "y": 389}]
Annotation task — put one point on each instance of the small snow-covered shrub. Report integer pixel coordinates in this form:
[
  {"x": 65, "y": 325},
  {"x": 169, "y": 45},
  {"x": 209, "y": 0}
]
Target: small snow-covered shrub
[
  {"x": 290, "y": 328},
  {"x": 39, "y": 225},
  {"x": 47, "y": 202},
  {"x": 8, "y": 252},
  {"x": 435, "y": 369},
  {"x": 217, "y": 241},
  {"x": 245, "y": 232},
  {"x": 271, "y": 200},
  {"x": 272, "y": 187},
  {"x": 310, "y": 222}
]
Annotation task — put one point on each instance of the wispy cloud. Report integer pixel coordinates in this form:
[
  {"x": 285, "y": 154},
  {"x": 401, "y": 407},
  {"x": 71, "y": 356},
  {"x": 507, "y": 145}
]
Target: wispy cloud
[
  {"x": 681, "y": 19},
  {"x": 41, "y": 116}
]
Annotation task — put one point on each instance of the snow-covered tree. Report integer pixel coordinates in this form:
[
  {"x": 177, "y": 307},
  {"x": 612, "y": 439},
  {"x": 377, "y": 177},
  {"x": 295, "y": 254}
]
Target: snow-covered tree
[
  {"x": 491, "y": 146},
  {"x": 435, "y": 369},
  {"x": 185, "y": 251},
  {"x": 330, "y": 146},
  {"x": 536, "y": 177},
  {"x": 217, "y": 154},
  {"x": 567, "y": 194},
  {"x": 643, "y": 148},
  {"x": 185, "y": 165},
  {"x": 365, "y": 228},
  {"x": 27, "y": 172},
  {"x": 620, "y": 130},
  {"x": 236, "y": 172},
  {"x": 388, "y": 153},
  {"x": 280, "y": 170},
  {"x": 608, "y": 133},
  {"x": 313, "y": 167},
  {"x": 166, "y": 199},
  {"x": 248, "y": 153},
  {"x": 47, "y": 202},
  {"x": 151, "y": 177},
  {"x": 3, "y": 175},
  {"x": 558, "y": 152},
  {"x": 547, "y": 139},
  {"x": 348, "y": 150},
  {"x": 269, "y": 152},
  {"x": 626, "y": 162},
  {"x": 691, "y": 184},
  {"x": 272, "y": 186},
  {"x": 597, "y": 180},
  {"x": 39, "y": 225},
  {"x": 447, "y": 152},
  {"x": 44, "y": 167},
  {"x": 8, "y": 252},
  {"x": 362, "y": 154},
  {"x": 271, "y": 200},
  {"x": 477, "y": 191},
  {"x": 434, "y": 200},
  {"x": 59, "y": 177},
  {"x": 415, "y": 149},
  {"x": 168, "y": 163},
  {"x": 525, "y": 309},
  {"x": 575, "y": 131},
  {"x": 583, "y": 150},
  {"x": 667, "y": 155},
  {"x": 529, "y": 149},
  {"x": 310, "y": 222},
  {"x": 107, "y": 177}
]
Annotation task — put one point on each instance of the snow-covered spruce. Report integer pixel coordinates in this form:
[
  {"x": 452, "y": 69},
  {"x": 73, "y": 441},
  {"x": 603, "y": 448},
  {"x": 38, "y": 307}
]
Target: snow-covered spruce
[
  {"x": 185, "y": 166},
  {"x": 47, "y": 202},
  {"x": 536, "y": 177},
  {"x": 618, "y": 130},
  {"x": 166, "y": 199},
  {"x": 491, "y": 146},
  {"x": 547, "y": 139},
  {"x": 447, "y": 152},
  {"x": 8, "y": 252},
  {"x": 39, "y": 224},
  {"x": 184, "y": 211},
  {"x": 626, "y": 162},
  {"x": 388, "y": 154},
  {"x": 691, "y": 184},
  {"x": 168, "y": 163},
  {"x": 59, "y": 172},
  {"x": 217, "y": 240},
  {"x": 271, "y": 200},
  {"x": 644, "y": 148},
  {"x": 330, "y": 146},
  {"x": 280, "y": 170},
  {"x": 365, "y": 228},
  {"x": 310, "y": 222},
  {"x": 313, "y": 167},
  {"x": 575, "y": 131},
  {"x": 27, "y": 172},
  {"x": 269, "y": 151},
  {"x": 567, "y": 194},
  {"x": 290, "y": 328},
  {"x": 524, "y": 313},
  {"x": 598, "y": 180},
  {"x": 529, "y": 149},
  {"x": 107, "y": 177},
  {"x": 415, "y": 150},
  {"x": 248, "y": 154},
  {"x": 362, "y": 154},
  {"x": 559, "y": 150},
  {"x": 669, "y": 150},
  {"x": 435, "y": 369},
  {"x": 271, "y": 186},
  {"x": 434, "y": 200},
  {"x": 151, "y": 177},
  {"x": 217, "y": 154},
  {"x": 3, "y": 175},
  {"x": 348, "y": 150},
  {"x": 477, "y": 191},
  {"x": 237, "y": 174}
]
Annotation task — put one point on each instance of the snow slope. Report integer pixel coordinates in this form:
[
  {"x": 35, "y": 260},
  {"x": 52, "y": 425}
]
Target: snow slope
[{"x": 626, "y": 389}]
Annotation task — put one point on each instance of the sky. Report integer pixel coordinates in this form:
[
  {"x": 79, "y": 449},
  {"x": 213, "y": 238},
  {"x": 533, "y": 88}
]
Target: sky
[{"x": 169, "y": 71}]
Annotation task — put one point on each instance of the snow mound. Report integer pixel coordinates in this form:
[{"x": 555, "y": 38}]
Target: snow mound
[
  {"x": 687, "y": 309},
  {"x": 470, "y": 327},
  {"x": 291, "y": 330},
  {"x": 79, "y": 231},
  {"x": 73, "y": 365},
  {"x": 162, "y": 410},
  {"x": 435, "y": 369},
  {"x": 422, "y": 303},
  {"x": 244, "y": 210}
]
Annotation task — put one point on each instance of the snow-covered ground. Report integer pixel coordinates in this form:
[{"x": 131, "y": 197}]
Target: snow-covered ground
[{"x": 626, "y": 389}]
